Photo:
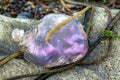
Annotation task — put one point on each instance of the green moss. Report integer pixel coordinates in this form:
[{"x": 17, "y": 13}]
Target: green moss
[{"x": 109, "y": 34}]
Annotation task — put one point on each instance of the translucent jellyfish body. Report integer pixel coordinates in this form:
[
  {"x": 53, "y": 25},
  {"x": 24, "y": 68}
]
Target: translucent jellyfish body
[{"x": 67, "y": 45}]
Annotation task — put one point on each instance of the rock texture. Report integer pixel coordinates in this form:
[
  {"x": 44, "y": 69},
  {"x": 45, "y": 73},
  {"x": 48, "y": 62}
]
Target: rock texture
[{"x": 109, "y": 69}]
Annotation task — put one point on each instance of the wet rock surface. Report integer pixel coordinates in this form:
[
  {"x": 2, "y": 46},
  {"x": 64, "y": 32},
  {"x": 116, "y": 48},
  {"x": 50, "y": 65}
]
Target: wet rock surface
[{"x": 109, "y": 69}]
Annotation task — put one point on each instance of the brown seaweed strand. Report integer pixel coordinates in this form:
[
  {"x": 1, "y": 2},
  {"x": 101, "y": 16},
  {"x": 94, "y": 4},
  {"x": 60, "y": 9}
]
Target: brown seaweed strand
[
  {"x": 108, "y": 13},
  {"x": 89, "y": 27},
  {"x": 113, "y": 21},
  {"x": 65, "y": 6},
  {"x": 8, "y": 58},
  {"x": 74, "y": 2},
  {"x": 43, "y": 72},
  {"x": 50, "y": 34}
]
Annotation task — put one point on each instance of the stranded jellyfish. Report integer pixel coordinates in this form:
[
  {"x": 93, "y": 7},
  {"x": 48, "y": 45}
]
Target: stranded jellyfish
[{"x": 67, "y": 45}]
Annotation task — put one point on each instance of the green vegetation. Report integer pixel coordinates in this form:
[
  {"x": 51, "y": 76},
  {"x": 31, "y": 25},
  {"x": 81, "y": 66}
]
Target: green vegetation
[{"x": 109, "y": 34}]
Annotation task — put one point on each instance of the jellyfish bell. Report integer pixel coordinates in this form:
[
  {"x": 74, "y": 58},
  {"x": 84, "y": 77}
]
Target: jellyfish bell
[{"x": 67, "y": 45}]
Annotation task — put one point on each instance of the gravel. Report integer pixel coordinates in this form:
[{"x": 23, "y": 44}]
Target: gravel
[{"x": 33, "y": 9}]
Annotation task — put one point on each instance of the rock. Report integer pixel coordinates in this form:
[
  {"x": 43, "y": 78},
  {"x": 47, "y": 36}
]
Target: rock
[
  {"x": 106, "y": 70},
  {"x": 24, "y": 15},
  {"x": 52, "y": 4}
]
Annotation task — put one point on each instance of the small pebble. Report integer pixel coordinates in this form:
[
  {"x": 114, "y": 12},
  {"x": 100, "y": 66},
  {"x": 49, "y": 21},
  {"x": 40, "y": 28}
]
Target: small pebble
[{"x": 24, "y": 15}]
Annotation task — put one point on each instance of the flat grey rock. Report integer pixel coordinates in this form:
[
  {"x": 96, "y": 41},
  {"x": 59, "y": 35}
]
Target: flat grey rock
[{"x": 109, "y": 69}]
